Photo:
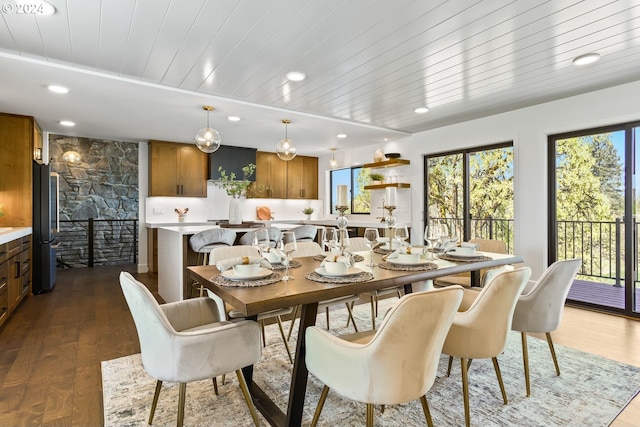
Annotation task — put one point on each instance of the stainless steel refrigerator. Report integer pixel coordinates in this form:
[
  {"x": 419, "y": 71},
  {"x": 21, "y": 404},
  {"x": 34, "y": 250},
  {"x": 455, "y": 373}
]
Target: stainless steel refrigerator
[{"x": 45, "y": 224}]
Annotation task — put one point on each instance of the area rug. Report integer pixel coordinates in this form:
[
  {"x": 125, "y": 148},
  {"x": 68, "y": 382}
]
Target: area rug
[{"x": 590, "y": 391}]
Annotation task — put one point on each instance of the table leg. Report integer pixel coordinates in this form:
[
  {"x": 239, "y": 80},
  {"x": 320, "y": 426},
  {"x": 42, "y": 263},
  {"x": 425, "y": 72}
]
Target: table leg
[
  {"x": 300, "y": 372},
  {"x": 475, "y": 278}
]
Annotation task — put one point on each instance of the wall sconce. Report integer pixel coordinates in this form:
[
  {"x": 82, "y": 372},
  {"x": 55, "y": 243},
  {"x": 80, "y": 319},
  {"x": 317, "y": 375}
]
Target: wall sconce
[
  {"x": 71, "y": 157},
  {"x": 38, "y": 154}
]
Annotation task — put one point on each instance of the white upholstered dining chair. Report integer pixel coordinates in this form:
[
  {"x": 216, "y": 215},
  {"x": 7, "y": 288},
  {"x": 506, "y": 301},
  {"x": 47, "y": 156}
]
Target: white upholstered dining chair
[
  {"x": 393, "y": 365},
  {"x": 480, "y": 331},
  {"x": 219, "y": 254},
  {"x": 306, "y": 249},
  {"x": 189, "y": 340},
  {"x": 539, "y": 309}
]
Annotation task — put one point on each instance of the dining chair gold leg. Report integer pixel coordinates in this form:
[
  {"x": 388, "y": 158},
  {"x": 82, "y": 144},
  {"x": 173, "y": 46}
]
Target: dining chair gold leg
[
  {"x": 553, "y": 353},
  {"x": 316, "y": 414},
  {"x": 425, "y": 409},
  {"x": 373, "y": 313},
  {"x": 326, "y": 312},
  {"x": 215, "y": 386},
  {"x": 369, "y": 414},
  {"x": 525, "y": 360},
  {"x": 350, "y": 311},
  {"x": 155, "y": 401},
  {"x": 469, "y": 364},
  {"x": 181, "y": 397},
  {"x": 247, "y": 397},
  {"x": 465, "y": 392},
  {"x": 499, "y": 375},
  {"x": 284, "y": 338},
  {"x": 449, "y": 366},
  {"x": 348, "y": 318},
  {"x": 293, "y": 320}
]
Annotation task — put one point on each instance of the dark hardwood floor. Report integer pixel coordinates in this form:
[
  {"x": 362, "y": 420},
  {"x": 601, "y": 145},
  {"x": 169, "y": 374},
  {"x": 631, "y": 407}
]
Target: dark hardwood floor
[{"x": 51, "y": 348}]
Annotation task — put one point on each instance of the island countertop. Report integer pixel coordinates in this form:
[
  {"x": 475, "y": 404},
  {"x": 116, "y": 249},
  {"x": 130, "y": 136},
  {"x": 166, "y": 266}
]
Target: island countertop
[{"x": 7, "y": 234}]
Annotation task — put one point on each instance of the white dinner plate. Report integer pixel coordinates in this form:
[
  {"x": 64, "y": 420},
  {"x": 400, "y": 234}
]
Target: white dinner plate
[
  {"x": 398, "y": 262},
  {"x": 261, "y": 274},
  {"x": 351, "y": 271},
  {"x": 458, "y": 254}
]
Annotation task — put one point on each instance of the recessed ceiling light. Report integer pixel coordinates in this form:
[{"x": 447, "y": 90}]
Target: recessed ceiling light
[
  {"x": 341, "y": 135},
  {"x": 587, "y": 58},
  {"x": 67, "y": 123},
  {"x": 420, "y": 110},
  {"x": 296, "y": 76},
  {"x": 58, "y": 89},
  {"x": 234, "y": 118}
]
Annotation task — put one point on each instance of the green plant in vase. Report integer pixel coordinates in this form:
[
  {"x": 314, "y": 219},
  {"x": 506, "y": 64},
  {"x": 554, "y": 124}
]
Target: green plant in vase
[
  {"x": 236, "y": 188},
  {"x": 376, "y": 178}
]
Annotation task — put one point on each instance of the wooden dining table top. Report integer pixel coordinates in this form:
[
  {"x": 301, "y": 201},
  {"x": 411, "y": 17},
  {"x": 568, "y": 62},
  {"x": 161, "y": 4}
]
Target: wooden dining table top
[{"x": 253, "y": 300}]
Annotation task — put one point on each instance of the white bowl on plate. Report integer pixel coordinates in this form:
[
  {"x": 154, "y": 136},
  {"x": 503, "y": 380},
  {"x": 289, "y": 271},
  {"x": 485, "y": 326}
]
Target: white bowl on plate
[
  {"x": 333, "y": 267},
  {"x": 246, "y": 270},
  {"x": 409, "y": 258},
  {"x": 464, "y": 251}
]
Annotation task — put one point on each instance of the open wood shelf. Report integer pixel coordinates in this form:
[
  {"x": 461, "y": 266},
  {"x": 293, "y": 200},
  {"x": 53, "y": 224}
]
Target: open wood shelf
[
  {"x": 388, "y": 163},
  {"x": 391, "y": 184}
]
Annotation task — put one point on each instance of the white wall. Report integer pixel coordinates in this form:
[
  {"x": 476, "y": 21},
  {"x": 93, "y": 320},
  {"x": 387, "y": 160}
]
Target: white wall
[{"x": 528, "y": 128}]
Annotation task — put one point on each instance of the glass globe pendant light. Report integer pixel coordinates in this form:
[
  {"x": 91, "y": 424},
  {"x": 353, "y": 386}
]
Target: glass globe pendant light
[
  {"x": 285, "y": 149},
  {"x": 333, "y": 163},
  {"x": 208, "y": 139}
]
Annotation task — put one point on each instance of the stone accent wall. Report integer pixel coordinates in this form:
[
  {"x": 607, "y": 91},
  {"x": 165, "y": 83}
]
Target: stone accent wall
[{"x": 103, "y": 186}]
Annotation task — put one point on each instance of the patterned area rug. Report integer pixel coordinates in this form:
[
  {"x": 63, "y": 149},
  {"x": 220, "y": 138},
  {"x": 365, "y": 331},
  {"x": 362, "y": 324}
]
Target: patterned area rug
[{"x": 590, "y": 391}]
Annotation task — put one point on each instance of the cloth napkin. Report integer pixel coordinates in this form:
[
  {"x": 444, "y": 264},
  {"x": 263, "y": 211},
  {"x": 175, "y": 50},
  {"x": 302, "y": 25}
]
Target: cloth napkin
[
  {"x": 337, "y": 258},
  {"x": 283, "y": 256},
  {"x": 226, "y": 264},
  {"x": 447, "y": 244}
]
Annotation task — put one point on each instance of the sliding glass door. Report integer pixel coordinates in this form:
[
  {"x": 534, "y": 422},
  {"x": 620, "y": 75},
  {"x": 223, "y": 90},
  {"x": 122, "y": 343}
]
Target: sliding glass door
[
  {"x": 471, "y": 192},
  {"x": 593, "y": 207}
]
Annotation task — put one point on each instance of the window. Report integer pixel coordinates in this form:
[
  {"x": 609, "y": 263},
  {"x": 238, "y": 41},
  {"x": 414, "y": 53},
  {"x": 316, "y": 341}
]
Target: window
[{"x": 359, "y": 199}]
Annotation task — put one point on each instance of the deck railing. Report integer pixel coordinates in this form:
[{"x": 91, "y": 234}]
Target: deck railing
[
  {"x": 91, "y": 242},
  {"x": 600, "y": 244}
]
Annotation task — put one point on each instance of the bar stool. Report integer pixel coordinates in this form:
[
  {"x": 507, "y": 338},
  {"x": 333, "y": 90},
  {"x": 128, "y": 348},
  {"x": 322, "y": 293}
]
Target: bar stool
[
  {"x": 203, "y": 242},
  {"x": 274, "y": 236}
]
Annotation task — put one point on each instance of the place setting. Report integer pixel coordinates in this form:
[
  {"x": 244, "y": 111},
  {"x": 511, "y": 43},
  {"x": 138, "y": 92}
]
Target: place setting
[
  {"x": 407, "y": 257},
  {"x": 245, "y": 272},
  {"x": 338, "y": 269}
]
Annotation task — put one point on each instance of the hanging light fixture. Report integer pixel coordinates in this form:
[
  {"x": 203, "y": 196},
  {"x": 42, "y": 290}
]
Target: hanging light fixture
[
  {"x": 333, "y": 163},
  {"x": 208, "y": 139},
  {"x": 71, "y": 157},
  {"x": 285, "y": 148}
]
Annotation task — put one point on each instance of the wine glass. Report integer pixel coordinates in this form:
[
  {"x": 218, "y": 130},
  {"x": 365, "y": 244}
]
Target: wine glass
[
  {"x": 432, "y": 234},
  {"x": 371, "y": 237},
  {"x": 261, "y": 239},
  {"x": 402, "y": 234},
  {"x": 288, "y": 245},
  {"x": 330, "y": 238}
]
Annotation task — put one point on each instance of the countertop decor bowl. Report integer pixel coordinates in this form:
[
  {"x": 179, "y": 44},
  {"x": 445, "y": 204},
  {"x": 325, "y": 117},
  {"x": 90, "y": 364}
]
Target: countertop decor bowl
[{"x": 392, "y": 155}]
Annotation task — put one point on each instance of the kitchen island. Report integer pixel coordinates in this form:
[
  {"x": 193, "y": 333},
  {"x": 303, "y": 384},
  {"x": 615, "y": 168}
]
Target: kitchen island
[{"x": 174, "y": 255}]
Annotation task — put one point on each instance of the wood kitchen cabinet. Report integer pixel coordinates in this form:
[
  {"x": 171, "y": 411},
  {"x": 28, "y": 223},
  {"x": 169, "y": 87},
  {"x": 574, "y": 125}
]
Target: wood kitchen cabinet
[
  {"x": 177, "y": 170},
  {"x": 279, "y": 179},
  {"x": 15, "y": 274},
  {"x": 16, "y": 164}
]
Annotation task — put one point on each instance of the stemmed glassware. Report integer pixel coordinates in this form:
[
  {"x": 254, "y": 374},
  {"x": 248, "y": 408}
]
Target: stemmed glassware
[
  {"x": 432, "y": 234},
  {"x": 402, "y": 234},
  {"x": 371, "y": 237},
  {"x": 288, "y": 245},
  {"x": 261, "y": 239},
  {"x": 330, "y": 238}
]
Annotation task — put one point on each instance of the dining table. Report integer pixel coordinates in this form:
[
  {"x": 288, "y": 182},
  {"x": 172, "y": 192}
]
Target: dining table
[{"x": 307, "y": 293}]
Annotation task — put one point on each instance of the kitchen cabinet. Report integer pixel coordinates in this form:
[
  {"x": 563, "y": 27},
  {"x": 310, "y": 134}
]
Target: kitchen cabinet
[
  {"x": 387, "y": 164},
  {"x": 177, "y": 170},
  {"x": 271, "y": 176},
  {"x": 15, "y": 274},
  {"x": 279, "y": 179},
  {"x": 16, "y": 162}
]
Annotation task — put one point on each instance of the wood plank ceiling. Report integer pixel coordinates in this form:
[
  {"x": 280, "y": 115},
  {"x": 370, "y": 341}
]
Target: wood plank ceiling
[{"x": 368, "y": 63}]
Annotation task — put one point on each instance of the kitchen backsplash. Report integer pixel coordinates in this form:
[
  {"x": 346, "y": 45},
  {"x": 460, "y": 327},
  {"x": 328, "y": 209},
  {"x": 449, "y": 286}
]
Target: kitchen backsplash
[{"x": 216, "y": 207}]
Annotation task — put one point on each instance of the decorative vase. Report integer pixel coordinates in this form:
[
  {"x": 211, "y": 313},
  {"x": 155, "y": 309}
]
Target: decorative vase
[
  {"x": 182, "y": 217},
  {"x": 308, "y": 217},
  {"x": 235, "y": 211},
  {"x": 378, "y": 155}
]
